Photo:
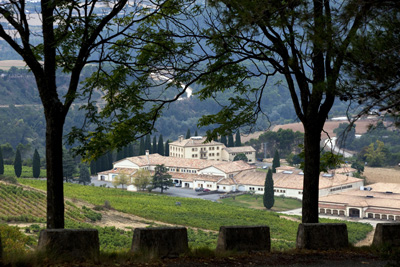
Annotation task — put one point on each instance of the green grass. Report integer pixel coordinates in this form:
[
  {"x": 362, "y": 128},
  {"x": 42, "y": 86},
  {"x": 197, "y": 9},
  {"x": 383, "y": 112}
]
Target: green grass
[
  {"x": 197, "y": 213},
  {"x": 26, "y": 172},
  {"x": 256, "y": 202}
]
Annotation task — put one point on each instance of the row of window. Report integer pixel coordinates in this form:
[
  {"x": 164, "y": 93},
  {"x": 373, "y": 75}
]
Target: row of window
[
  {"x": 258, "y": 188},
  {"x": 181, "y": 170},
  {"x": 340, "y": 188},
  {"x": 279, "y": 191},
  {"x": 174, "y": 148},
  {"x": 246, "y": 153},
  {"x": 205, "y": 148},
  {"x": 205, "y": 155}
]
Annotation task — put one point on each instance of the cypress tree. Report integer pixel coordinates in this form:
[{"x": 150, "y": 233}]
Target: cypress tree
[
  {"x": 109, "y": 160},
  {"x": 120, "y": 154},
  {"x": 131, "y": 152},
  {"x": 84, "y": 176},
  {"x": 18, "y": 164},
  {"x": 104, "y": 162},
  {"x": 161, "y": 145},
  {"x": 238, "y": 142},
  {"x": 98, "y": 165},
  {"x": 276, "y": 161},
  {"x": 188, "y": 134},
  {"x": 230, "y": 141},
  {"x": 36, "y": 164},
  {"x": 147, "y": 144},
  {"x": 155, "y": 148},
  {"x": 166, "y": 151},
  {"x": 1, "y": 162},
  {"x": 126, "y": 152},
  {"x": 268, "y": 199},
  {"x": 142, "y": 147},
  {"x": 93, "y": 167},
  {"x": 223, "y": 140},
  {"x": 195, "y": 133}
]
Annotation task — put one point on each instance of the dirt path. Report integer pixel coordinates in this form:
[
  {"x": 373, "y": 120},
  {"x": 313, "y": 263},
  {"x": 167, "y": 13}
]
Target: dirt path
[{"x": 367, "y": 241}]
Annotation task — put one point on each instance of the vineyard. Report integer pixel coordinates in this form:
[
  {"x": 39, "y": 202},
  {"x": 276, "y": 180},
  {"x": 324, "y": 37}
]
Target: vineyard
[{"x": 195, "y": 213}]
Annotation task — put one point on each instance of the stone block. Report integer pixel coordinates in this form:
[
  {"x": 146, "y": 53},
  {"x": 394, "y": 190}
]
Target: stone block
[
  {"x": 160, "y": 242},
  {"x": 387, "y": 234},
  {"x": 244, "y": 238},
  {"x": 70, "y": 244},
  {"x": 322, "y": 236}
]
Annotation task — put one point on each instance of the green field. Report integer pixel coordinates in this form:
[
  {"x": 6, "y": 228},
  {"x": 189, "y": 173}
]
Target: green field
[
  {"x": 197, "y": 213},
  {"x": 256, "y": 202},
  {"x": 26, "y": 172}
]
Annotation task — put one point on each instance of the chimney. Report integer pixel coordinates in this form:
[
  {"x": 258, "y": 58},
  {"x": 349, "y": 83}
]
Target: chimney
[
  {"x": 180, "y": 138},
  {"x": 147, "y": 156}
]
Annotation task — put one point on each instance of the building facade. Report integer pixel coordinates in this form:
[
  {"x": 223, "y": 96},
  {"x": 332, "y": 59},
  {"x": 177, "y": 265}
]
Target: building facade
[{"x": 196, "y": 148}]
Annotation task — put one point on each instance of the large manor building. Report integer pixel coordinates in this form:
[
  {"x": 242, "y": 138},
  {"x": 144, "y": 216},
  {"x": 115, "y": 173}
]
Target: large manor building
[{"x": 196, "y": 148}]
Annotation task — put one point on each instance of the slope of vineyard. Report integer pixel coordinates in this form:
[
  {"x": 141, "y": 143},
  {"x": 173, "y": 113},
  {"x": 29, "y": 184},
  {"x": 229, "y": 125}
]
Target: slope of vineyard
[
  {"x": 20, "y": 205},
  {"x": 196, "y": 213}
]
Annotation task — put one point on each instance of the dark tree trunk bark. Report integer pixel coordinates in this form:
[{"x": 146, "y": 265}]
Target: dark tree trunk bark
[
  {"x": 312, "y": 137},
  {"x": 55, "y": 194}
]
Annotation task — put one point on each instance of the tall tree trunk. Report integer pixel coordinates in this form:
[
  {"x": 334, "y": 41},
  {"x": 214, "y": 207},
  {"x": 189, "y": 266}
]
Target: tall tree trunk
[
  {"x": 55, "y": 194},
  {"x": 311, "y": 172}
]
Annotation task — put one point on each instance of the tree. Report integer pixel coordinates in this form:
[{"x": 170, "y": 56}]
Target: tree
[
  {"x": 122, "y": 179},
  {"x": 161, "y": 179},
  {"x": 18, "y": 164},
  {"x": 268, "y": 199},
  {"x": 114, "y": 43},
  {"x": 372, "y": 78},
  {"x": 195, "y": 133},
  {"x": 1, "y": 162},
  {"x": 36, "y": 164},
  {"x": 69, "y": 166},
  {"x": 160, "y": 148},
  {"x": 305, "y": 42},
  {"x": 188, "y": 134},
  {"x": 223, "y": 140},
  {"x": 84, "y": 175},
  {"x": 238, "y": 142},
  {"x": 230, "y": 141},
  {"x": 276, "y": 162},
  {"x": 93, "y": 167},
  {"x": 147, "y": 144},
  {"x": 142, "y": 148},
  {"x": 155, "y": 148},
  {"x": 240, "y": 156},
  {"x": 167, "y": 148},
  {"x": 375, "y": 154},
  {"x": 345, "y": 134},
  {"x": 142, "y": 179}
]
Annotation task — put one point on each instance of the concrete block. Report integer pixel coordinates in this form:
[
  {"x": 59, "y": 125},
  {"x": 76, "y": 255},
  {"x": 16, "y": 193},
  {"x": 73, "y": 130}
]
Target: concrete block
[
  {"x": 322, "y": 236},
  {"x": 160, "y": 242},
  {"x": 70, "y": 244},
  {"x": 244, "y": 238},
  {"x": 387, "y": 234}
]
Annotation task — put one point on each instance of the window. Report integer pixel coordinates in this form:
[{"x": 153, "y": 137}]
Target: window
[
  {"x": 217, "y": 147},
  {"x": 224, "y": 187},
  {"x": 217, "y": 154}
]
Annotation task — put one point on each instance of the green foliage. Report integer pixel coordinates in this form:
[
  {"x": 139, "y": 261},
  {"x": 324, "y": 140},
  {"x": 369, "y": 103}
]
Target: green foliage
[
  {"x": 230, "y": 141},
  {"x": 1, "y": 162},
  {"x": 201, "y": 239},
  {"x": 161, "y": 179},
  {"x": 69, "y": 166},
  {"x": 167, "y": 148},
  {"x": 18, "y": 164},
  {"x": 268, "y": 198},
  {"x": 122, "y": 179},
  {"x": 14, "y": 243},
  {"x": 142, "y": 147},
  {"x": 90, "y": 214},
  {"x": 345, "y": 135},
  {"x": 194, "y": 212},
  {"x": 238, "y": 141},
  {"x": 154, "y": 148},
  {"x": 84, "y": 175},
  {"x": 36, "y": 164},
  {"x": 240, "y": 156},
  {"x": 375, "y": 154},
  {"x": 26, "y": 172},
  {"x": 276, "y": 162}
]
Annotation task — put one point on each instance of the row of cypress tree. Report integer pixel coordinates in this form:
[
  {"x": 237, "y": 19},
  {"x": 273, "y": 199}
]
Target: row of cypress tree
[{"x": 18, "y": 164}]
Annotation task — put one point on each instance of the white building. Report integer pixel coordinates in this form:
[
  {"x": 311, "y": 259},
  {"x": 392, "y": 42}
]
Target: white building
[{"x": 196, "y": 148}]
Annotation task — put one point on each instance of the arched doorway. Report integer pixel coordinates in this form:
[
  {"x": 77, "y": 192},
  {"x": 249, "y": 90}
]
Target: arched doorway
[{"x": 354, "y": 213}]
